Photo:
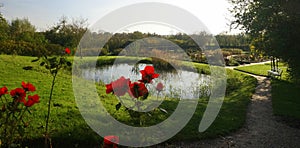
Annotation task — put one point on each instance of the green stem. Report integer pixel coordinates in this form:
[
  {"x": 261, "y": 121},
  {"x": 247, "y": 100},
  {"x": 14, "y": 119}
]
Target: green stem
[
  {"x": 49, "y": 109},
  {"x": 13, "y": 123},
  {"x": 16, "y": 123}
]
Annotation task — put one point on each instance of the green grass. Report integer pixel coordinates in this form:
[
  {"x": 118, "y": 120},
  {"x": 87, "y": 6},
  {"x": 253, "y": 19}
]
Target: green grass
[
  {"x": 66, "y": 123},
  {"x": 285, "y": 94},
  {"x": 68, "y": 128},
  {"x": 285, "y": 99},
  {"x": 262, "y": 69}
]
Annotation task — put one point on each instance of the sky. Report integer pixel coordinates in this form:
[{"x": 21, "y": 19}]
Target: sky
[{"x": 46, "y": 13}]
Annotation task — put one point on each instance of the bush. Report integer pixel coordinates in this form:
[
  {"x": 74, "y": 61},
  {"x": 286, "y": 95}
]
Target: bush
[
  {"x": 232, "y": 51},
  {"x": 23, "y": 48}
]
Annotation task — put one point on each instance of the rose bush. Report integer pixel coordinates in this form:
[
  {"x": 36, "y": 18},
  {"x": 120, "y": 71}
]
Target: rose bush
[
  {"x": 14, "y": 109},
  {"x": 138, "y": 91}
]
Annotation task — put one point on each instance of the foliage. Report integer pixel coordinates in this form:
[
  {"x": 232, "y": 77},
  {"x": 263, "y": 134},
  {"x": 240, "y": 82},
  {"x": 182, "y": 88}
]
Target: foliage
[
  {"x": 241, "y": 41},
  {"x": 285, "y": 99},
  {"x": 231, "y": 62},
  {"x": 67, "y": 34},
  {"x": 12, "y": 47},
  {"x": 21, "y": 38},
  {"x": 273, "y": 27},
  {"x": 4, "y": 28},
  {"x": 137, "y": 91},
  {"x": 13, "y": 112},
  {"x": 53, "y": 65},
  {"x": 22, "y": 29}
]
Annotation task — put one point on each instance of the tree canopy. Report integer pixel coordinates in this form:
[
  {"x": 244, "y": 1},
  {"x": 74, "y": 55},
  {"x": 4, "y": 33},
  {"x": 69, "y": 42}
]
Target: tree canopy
[{"x": 273, "y": 26}]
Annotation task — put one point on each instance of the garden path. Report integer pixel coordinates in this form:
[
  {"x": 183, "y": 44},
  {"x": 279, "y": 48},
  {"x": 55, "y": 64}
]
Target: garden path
[{"x": 262, "y": 129}]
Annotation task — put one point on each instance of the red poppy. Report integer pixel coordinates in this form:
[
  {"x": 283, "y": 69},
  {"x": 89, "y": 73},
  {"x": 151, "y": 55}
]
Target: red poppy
[
  {"x": 138, "y": 89},
  {"x": 111, "y": 140},
  {"x": 28, "y": 87},
  {"x": 67, "y": 51},
  {"x": 159, "y": 86},
  {"x": 3, "y": 91},
  {"x": 19, "y": 94},
  {"x": 32, "y": 100},
  {"x": 148, "y": 74},
  {"x": 118, "y": 87}
]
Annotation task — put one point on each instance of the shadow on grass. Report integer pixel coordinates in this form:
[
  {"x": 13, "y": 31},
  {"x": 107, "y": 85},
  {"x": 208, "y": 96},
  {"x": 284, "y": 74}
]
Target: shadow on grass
[{"x": 286, "y": 102}]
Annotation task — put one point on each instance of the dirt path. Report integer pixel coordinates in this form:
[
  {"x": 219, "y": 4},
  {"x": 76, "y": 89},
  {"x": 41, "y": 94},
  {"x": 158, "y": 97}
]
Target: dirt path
[{"x": 261, "y": 128}]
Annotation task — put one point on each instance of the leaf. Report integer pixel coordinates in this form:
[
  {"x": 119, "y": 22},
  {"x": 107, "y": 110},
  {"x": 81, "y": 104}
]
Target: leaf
[
  {"x": 27, "y": 68},
  {"x": 28, "y": 111},
  {"x": 145, "y": 96},
  {"x": 52, "y": 66},
  {"x": 21, "y": 130},
  {"x": 163, "y": 110},
  {"x": 42, "y": 64},
  {"x": 54, "y": 72},
  {"x": 118, "y": 106},
  {"x": 69, "y": 63},
  {"x": 62, "y": 60},
  {"x": 35, "y": 60},
  {"x": 52, "y": 60}
]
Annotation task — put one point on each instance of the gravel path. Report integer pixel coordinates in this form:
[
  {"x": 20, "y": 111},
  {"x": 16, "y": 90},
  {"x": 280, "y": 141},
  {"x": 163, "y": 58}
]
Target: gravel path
[{"x": 260, "y": 130}]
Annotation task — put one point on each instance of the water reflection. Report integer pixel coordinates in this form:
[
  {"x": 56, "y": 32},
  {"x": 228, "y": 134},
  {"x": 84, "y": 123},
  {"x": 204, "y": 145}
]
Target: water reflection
[{"x": 177, "y": 84}]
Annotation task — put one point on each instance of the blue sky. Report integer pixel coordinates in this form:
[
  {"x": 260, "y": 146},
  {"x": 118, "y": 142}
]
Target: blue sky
[{"x": 45, "y": 13}]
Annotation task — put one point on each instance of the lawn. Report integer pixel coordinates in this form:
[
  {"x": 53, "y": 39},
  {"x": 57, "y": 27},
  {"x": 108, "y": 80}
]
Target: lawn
[
  {"x": 285, "y": 99},
  {"x": 69, "y": 129},
  {"x": 262, "y": 69},
  {"x": 285, "y": 94}
]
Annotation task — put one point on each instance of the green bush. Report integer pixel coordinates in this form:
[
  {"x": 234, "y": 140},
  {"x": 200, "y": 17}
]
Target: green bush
[{"x": 11, "y": 47}]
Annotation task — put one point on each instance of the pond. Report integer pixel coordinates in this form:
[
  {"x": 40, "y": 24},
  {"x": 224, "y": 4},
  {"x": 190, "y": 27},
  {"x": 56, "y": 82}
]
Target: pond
[{"x": 177, "y": 83}]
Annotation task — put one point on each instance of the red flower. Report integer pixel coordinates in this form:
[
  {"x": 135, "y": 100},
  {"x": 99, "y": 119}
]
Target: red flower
[
  {"x": 148, "y": 74},
  {"x": 3, "y": 91},
  {"x": 138, "y": 89},
  {"x": 19, "y": 94},
  {"x": 110, "y": 140},
  {"x": 32, "y": 100},
  {"x": 28, "y": 87},
  {"x": 67, "y": 51},
  {"x": 159, "y": 86},
  {"x": 118, "y": 87}
]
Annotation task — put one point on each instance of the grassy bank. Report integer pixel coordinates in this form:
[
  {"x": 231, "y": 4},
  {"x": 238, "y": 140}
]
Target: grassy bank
[{"x": 69, "y": 129}]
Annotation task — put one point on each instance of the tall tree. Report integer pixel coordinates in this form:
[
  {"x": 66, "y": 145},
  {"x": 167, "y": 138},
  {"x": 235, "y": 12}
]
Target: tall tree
[
  {"x": 4, "y": 28},
  {"x": 22, "y": 29},
  {"x": 273, "y": 26},
  {"x": 67, "y": 34}
]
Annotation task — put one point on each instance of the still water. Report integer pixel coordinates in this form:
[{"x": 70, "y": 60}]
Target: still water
[{"x": 177, "y": 83}]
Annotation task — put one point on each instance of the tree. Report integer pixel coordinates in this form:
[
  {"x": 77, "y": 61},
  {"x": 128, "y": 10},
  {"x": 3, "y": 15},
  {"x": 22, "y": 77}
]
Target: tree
[
  {"x": 4, "y": 28},
  {"x": 67, "y": 34},
  {"x": 273, "y": 26},
  {"x": 22, "y": 29}
]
